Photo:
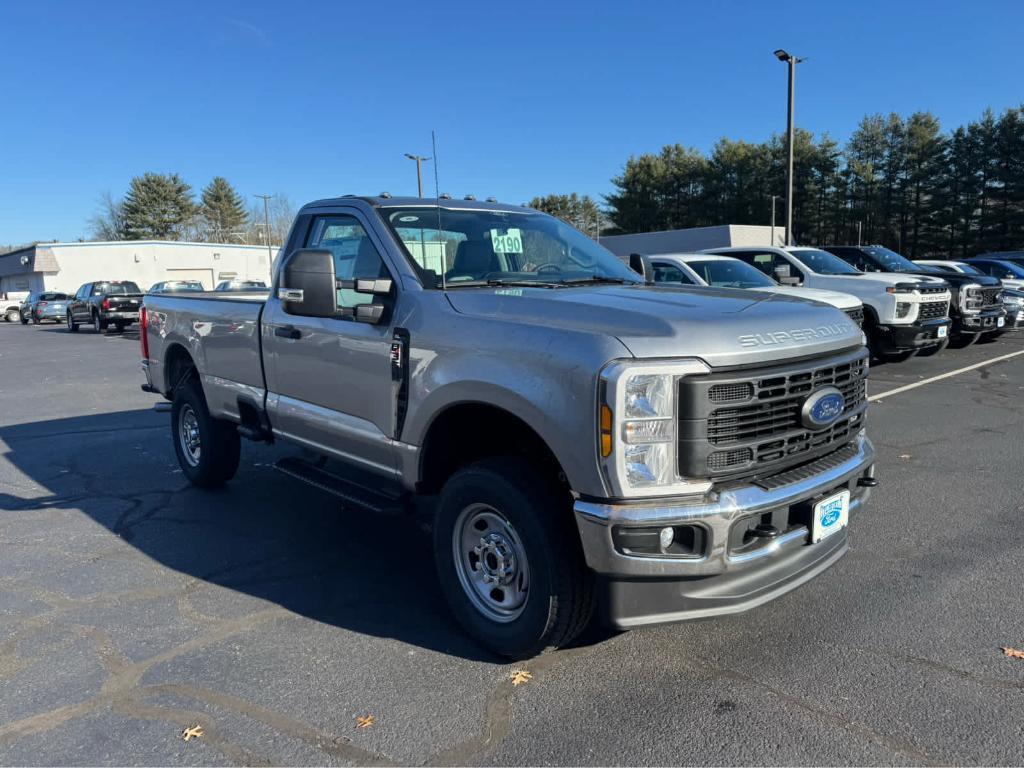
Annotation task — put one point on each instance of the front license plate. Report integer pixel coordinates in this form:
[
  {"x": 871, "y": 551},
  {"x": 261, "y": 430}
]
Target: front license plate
[
  {"x": 1000, "y": 322},
  {"x": 942, "y": 332},
  {"x": 830, "y": 516}
]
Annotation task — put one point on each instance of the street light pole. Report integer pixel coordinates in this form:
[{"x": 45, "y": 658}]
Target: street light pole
[
  {"x": 266, "y": 225},
  {"x": 419, "y": 170},
  {"x": 781, "y": 55},
  {"x": 774, "y": 198}
]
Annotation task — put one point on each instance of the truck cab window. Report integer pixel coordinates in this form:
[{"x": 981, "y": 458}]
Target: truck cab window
[
  {"x": 355, "y": 255},
  {"x": 666, "y": 273}
]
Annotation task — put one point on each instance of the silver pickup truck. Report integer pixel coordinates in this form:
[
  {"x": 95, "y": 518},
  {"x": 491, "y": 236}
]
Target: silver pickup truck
[{"x": 585, "y": 440}]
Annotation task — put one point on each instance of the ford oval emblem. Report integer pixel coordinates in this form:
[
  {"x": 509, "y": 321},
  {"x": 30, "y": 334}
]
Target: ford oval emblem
[
  {"x": 822, "y": 408},
  {"x": 831, "y": 515}
]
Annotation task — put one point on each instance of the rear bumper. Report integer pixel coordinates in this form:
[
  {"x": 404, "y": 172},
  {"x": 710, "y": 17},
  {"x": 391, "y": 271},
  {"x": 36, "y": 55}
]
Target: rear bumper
[
  {"x": 641, "y": 589},
  {"x": 919, "y": 335},
  {"x": 120, "y": 317}
]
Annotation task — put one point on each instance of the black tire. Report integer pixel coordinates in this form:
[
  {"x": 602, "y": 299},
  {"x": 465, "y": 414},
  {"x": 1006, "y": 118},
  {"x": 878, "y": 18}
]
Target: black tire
[
  {"x": 72, "y": 325},
  {"x": 219, "y": 446},
  {"x": 36, "y": 320},
  {"x": 24, "y": 320},
  {"x": 99, "y": 325},
  {"x": 560, "y": 594},
  {"x": 13, "y": 315},
  {"x": 120, "y": 327}
]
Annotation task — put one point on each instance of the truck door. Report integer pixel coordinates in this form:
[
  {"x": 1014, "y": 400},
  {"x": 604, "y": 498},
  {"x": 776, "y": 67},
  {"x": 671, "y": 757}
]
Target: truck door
[{"x": 329, "y": 378}]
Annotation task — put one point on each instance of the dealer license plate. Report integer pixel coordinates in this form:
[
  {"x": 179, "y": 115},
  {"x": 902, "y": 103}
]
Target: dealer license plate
[
  {"x": 1000, "y": 322},
  {"x": 830, "y": 515},
  {"x": 942, "y": 332}
]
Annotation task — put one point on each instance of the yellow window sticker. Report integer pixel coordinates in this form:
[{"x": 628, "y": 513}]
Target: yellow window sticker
[{"x": 510, "y": 242}]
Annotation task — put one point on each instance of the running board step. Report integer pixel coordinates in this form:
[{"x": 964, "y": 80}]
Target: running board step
[{"x": 354, "y": 493}]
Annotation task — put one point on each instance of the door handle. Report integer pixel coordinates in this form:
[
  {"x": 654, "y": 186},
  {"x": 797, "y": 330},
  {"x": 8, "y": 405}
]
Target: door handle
[{"x": 288, "y": 332}]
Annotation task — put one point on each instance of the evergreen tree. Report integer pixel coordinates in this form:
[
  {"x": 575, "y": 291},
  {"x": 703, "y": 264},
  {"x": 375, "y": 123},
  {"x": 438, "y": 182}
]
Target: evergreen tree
[
  {"x": 580, "y": 212},
  {"x": 223, "y": 211},
  {"x": 158, "y": 207}
]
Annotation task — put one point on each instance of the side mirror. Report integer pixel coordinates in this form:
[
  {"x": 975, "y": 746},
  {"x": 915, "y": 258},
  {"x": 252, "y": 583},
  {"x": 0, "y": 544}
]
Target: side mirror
[
  {"x": 307, "y": 286},
  {"x": 378, "y": 287},
  {"x": 642, "y": 266}
]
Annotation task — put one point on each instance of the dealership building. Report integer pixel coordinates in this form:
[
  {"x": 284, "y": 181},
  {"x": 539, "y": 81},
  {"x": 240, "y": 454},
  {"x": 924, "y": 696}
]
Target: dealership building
[{"x": 67, "y": 266}]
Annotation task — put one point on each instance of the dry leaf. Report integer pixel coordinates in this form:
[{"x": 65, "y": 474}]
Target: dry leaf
[
  {"x": 520, "y": 676},
  {"x": 1013, "y": 653},
  {"x": 364, "y": 721},
  {"x": 905, "y": 456},
  {"x": 192, "y": 733}
]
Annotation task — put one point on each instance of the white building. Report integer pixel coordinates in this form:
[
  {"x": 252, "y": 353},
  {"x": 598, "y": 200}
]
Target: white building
[
  {"x": 67, "y": 266},
  {"x": 693, "y": 239}
]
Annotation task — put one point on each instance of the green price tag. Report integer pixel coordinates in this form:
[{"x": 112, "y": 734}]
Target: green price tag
[{"x": 510, "y": 242}]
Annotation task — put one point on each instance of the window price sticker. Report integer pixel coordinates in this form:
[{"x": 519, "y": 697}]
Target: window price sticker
[{"x": 510, "y": 242}]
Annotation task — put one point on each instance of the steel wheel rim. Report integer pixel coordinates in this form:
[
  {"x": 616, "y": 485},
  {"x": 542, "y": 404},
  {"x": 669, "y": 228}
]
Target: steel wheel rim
[
  {"x": 491, "y": 563},
  {"x": 188, "y": 436},
  {"x": 96, "y": 323}
]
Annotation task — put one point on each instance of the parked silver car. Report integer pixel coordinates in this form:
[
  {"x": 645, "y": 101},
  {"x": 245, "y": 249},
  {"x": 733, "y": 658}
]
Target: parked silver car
[
  {"x": 45, "y": 305},
  {"x": 177, "y": 286}
]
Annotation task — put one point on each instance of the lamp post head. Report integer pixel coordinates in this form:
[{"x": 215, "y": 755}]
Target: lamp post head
[{"x": 781, "y": 55}]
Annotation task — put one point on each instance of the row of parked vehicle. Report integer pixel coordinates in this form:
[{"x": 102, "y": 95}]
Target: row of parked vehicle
[
  {"x": 590, "y": 437},
  {"x": 105, "y": 304},
  {"x": 904, "y": 306}
]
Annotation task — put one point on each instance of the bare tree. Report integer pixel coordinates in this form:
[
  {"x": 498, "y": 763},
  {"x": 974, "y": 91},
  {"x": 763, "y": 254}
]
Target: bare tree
[
  {"x": 108, "y": 222},
  {"x": 281, "y": 213}
]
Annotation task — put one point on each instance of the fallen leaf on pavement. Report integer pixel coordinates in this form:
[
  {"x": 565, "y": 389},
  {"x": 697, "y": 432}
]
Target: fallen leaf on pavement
[
  {"x": 364, "y": 722},
  {"x": 520, "y": 676},
  {"x": 905, "y": 456},
  {"x": 1013, "y": 653},
  {"x": 192, "y": 733}
]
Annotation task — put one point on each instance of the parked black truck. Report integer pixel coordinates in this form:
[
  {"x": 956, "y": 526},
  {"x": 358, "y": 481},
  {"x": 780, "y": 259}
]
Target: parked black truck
[
  {"x": 976, "y": 305},
  {"x": 105, "y": 303}
]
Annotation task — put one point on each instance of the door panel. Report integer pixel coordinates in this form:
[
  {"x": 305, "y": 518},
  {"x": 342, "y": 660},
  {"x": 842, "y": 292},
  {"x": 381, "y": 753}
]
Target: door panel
[{"x": 331, "y": 377}]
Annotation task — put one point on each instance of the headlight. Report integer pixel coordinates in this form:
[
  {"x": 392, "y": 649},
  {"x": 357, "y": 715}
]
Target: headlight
[
  {"x": 637, "y": 427},
  {"x": 903, "y": 308}
]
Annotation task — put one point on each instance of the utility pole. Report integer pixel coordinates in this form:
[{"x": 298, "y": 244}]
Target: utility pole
[
  {"x": 781, "y": 55},
  {"x": 858, "y": 232},
  {"x": 266, "y": 224},
  {"x": 774, "y": 198},
  {"x": 420, "y": 160}
]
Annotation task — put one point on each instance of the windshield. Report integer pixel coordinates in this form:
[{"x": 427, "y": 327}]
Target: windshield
[
  {"x": 730, "y": 273},
  {"x": 115, "y": 289},
  {"x": 477, "y": 247},
  {"x": 890, "y": 261},
  {"x": 1015, "y": 269},
  {"x": 823, "y": 262},
  {"x": 967, "y": 269}
]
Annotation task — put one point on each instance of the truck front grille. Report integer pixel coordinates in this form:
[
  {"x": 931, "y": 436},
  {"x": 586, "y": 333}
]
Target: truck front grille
[
  {"x": 857, "y": 315},
  {"x": 984, "y": 298},
  {"x": 748, "y": 423},
  {"x": 932, "y": 310}
]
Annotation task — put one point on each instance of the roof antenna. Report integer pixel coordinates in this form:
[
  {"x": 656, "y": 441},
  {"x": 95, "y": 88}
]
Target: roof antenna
[{"x": 437, "y": 197}]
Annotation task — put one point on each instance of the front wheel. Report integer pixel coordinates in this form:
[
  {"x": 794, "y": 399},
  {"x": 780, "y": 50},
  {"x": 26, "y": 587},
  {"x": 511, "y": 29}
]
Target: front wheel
[
  {"x": 208, "y": 449},
  {"x": 72, "y": 325},
  {"x": 13, "y": 315},
  {"x": 509, "y": 558}
]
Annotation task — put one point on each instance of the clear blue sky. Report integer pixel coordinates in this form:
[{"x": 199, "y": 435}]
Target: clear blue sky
[{"x": 315, "y": 100}]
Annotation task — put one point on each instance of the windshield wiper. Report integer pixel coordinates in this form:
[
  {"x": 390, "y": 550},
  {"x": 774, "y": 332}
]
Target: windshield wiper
[
  {"x": 493, "y": 282},
  {"x": 599, "y": 279}
]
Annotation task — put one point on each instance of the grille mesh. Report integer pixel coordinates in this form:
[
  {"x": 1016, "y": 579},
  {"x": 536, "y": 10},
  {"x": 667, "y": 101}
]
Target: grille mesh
[
  {"x": 931, "y": 310},
  {"x": 731, "y": 393},
  {"x": 728, "y": 459},
  {"x": 857, "y": 315}
]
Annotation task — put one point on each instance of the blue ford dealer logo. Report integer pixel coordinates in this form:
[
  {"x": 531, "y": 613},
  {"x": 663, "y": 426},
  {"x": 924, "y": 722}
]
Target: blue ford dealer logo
[
  {"x": 831, "y": 514},
  {"x": 822, "y": 408}
]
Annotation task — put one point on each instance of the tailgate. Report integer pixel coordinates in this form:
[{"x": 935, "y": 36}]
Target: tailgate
[{"x": 126, "y": 302}]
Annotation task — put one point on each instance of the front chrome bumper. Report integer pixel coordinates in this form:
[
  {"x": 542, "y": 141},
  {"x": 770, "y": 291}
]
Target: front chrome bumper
[{"x": 643, "y": 589}]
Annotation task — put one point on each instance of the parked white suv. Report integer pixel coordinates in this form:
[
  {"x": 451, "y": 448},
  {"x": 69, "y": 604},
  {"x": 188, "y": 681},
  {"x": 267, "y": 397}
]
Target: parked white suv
[
  {"x": 902, "y": 313},
  {"x": 726, "y": 272}
]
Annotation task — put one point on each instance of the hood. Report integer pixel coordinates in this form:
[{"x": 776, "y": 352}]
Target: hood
[
  {"x": 885, "y": 279},
  {"x": 959, "y": 278},
  {"x": 835, "y": 298},
  {"x": 723, "y": 327},
  {"x": 1014, "y": 283}
]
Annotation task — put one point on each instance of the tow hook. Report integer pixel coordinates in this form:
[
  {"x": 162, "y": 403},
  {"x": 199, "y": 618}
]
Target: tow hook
[{"x": 867, "y": 482}]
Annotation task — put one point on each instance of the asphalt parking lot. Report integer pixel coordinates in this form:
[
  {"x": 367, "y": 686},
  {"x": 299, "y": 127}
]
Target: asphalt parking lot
[{"x": 133, "y": 606}]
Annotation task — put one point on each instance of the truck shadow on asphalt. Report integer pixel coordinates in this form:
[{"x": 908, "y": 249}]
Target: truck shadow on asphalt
[{"x": 265, "y": 535}]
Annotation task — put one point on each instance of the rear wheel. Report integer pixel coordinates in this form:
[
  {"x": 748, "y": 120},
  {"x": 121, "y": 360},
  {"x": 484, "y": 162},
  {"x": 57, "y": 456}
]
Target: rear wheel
[
  {"x": 120, "y": 327},
  {"x": 72, "y": 325},
  {"x": 99, "y": 325},
  {"x": 208, "y": 449},
  {"x": 36, "y": 320},
  {"x": 509, "y": 558}
]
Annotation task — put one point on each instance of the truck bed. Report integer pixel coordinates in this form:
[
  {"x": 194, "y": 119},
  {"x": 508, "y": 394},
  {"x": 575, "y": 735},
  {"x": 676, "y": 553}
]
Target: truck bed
[{"x": 221, "y": 333}]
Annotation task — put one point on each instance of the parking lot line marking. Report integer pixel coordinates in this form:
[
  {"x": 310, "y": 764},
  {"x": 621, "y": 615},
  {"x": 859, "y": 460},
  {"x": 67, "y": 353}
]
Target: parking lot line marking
[{"x": 957, "y": 372}]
